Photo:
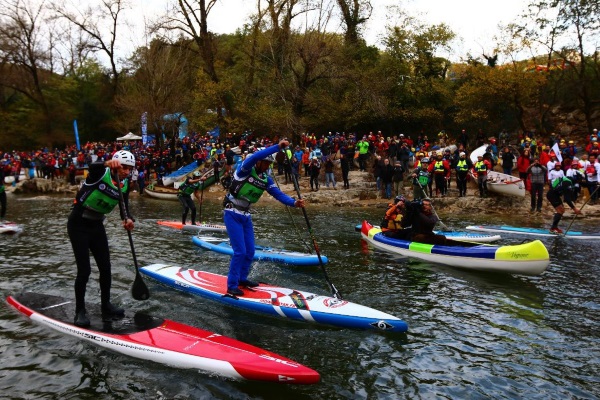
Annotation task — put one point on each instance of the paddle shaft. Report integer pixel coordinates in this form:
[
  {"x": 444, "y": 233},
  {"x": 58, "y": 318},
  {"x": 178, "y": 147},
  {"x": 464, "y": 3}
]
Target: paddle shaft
[
  {"x": 139, "y": 290},
  {"x": 200, "y": 208},
  {"x": 336, "y": 293},
  {"x": 292, "y": 218},
  {"x": 575, "y": 216}
]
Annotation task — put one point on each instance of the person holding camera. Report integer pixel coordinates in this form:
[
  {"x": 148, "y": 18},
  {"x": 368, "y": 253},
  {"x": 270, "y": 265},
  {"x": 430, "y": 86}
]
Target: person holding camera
[{"x": 537, "y": 175}]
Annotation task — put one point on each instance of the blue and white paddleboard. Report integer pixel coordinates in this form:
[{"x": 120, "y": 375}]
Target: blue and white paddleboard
[
  {"x": 276, "y": 301},
  {"x": 533, "y": 231},
  {"x": 222, "y": 246},
  {"x": 458, "y": 236}
]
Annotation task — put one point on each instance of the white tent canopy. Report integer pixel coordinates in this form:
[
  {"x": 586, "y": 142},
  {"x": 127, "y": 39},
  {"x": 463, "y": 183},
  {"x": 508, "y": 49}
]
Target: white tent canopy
[{"x": 130, "y": 136}]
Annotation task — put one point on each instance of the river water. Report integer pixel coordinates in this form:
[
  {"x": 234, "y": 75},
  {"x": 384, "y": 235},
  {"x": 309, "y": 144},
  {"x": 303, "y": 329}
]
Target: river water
[{"x": 471, "y": 335}]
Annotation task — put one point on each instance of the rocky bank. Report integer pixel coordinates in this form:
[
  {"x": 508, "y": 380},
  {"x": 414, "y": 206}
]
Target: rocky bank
[{"x": 362, "y": 193}]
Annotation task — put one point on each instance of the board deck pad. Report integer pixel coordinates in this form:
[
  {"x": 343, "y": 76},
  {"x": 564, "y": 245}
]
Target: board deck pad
[{"x": 63, "y": 310}]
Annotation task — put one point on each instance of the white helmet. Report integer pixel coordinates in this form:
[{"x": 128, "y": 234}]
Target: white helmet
[
  {"x": 269, "y": 158},
  {"x": 125, "y": 157},
  {"x": 197, "y": 174}
]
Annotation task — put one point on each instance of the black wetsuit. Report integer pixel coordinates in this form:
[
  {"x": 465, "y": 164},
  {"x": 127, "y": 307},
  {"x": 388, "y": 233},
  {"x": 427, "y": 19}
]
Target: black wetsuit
[{"x": 86, "y": 233}]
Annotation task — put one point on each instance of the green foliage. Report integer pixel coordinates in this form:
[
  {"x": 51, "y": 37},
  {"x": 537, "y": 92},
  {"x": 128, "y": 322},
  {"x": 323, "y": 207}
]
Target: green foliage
[
  {"x": 274, "y": 81},
  {"x": 488, "y": 95}
]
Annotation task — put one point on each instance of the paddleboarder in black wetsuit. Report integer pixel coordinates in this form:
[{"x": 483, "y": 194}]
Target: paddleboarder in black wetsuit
[
  {"x": 184, "y": 195},
  {"x": 97, "y": 197},
  {"x": 2, "y": 194},
  {"x": 561, "y": 187}
]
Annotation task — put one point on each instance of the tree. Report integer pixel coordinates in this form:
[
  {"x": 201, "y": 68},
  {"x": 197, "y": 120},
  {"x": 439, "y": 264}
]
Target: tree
[
  {"x": 26, "y": 61},
  {"x": 572, "y": 23},
  {"x": 416, "y": 74},
  {"x": 91, "y": 20},
  {"x": 190, "y": 18},
  {"x": 354, "y": 14},
  {"x": 160, "y": 85},
  {"x": 497, "y": 97}
]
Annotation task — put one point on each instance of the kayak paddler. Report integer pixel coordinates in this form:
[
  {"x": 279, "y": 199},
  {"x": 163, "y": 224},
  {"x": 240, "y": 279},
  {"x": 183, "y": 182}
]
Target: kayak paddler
[{"x": 418, "y": 221}]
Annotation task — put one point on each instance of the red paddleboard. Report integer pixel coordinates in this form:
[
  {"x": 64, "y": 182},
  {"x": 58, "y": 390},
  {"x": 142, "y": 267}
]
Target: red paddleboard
[
  {"x": 10, "y": 227},
  {"x": 164, "y": 341},
  {"x": 192, "y": 228}
]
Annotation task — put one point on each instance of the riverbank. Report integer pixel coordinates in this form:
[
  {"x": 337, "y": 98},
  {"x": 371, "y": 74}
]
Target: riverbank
[{"x": 362, "y": 193}]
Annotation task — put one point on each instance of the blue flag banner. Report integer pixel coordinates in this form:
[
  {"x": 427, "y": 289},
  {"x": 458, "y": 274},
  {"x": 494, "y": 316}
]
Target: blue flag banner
[
  {"x": 76, "y": 134},
  {"x": 144, "y": 128},
  {"x": 215, "y": 132}
]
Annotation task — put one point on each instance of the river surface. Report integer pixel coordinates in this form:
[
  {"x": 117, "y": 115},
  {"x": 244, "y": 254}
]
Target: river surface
[{"x": 471, "y": 335}]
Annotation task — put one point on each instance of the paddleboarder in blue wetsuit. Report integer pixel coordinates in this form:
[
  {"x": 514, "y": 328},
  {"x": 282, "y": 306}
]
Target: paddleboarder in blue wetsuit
[
  {"x": 561, "y": 187},
  {"x": 97, "y": 197},
  {"x": 249, "y": 182}
]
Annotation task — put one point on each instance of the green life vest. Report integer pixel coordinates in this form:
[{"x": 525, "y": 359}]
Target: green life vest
[
  {"x": 186, "y": 188},
  {"x": 559, "y": 181},
  {"x": 363, "y": 147},
  {"x": 462, "y": 165},
  {"x": 438, "y": 166},
  {"x": 480, "y": 166},
  {"x": 423, "y": 177},
  {"x": 101, "y": 196},
  {"x": 249, "y": 189},
  {"x": 2, "y": 188}
]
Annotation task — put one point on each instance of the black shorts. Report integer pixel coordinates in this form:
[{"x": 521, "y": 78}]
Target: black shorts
[{"x": 554, "y": 199}]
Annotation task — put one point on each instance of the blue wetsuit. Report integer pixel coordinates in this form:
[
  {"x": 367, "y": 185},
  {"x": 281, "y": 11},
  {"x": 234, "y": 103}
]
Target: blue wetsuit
[{"x": 238, "y": 220}]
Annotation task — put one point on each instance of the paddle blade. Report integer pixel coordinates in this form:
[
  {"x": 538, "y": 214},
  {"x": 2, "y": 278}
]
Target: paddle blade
[{"x": 139, "y": 290}]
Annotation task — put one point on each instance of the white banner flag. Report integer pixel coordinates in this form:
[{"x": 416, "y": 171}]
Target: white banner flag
[{"x": 556, "y": 151}]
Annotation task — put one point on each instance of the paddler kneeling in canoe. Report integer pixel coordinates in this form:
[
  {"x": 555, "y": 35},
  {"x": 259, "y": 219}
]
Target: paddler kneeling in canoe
[{"x": 413, "y": 221}]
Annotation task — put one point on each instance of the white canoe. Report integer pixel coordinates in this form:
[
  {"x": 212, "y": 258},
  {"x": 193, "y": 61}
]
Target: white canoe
[
  {"x": 480, "y": 151},
  {"x": 504, "y": 184},
  {"x": 161, "y": 192}
]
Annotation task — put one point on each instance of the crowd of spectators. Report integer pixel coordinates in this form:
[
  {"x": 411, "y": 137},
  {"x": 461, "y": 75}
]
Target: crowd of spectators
[{"x": 154, "y": 162}]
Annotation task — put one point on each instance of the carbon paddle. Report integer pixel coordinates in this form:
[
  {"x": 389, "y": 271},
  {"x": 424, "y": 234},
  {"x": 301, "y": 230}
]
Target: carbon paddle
[
  {"x": 201, "y": 197},
  {"x": 139, "y": 290},
  {"x": 336, "y": 293},
  {"x": 575, "y": 216},
  {"x": 433, "y": 209},
  {"x": 292, "y": 219}
]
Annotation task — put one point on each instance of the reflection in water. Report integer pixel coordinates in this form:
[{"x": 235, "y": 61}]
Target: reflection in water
[{"x": 471, "y": 335}]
